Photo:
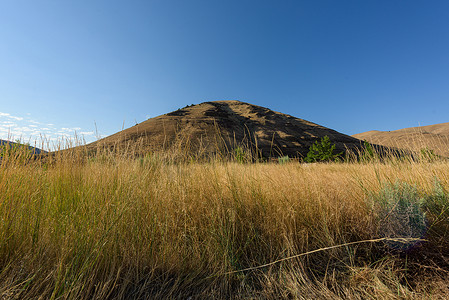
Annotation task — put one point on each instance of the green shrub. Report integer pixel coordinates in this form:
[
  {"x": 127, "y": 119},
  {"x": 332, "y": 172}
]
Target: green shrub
[
  {"x": 322, "y": 151},
  {"x": 283, "y": 160},
  {"x": 401, "y": 213}
]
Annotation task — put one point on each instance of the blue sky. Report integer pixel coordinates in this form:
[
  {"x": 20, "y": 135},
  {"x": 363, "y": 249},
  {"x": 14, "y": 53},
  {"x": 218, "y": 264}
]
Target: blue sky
[{"x": 352, "y": 66}]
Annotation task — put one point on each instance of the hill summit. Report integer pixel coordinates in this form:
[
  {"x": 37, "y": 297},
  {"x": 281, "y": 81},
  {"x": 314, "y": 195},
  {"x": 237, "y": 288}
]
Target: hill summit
[{"x": 224, "y": 125}]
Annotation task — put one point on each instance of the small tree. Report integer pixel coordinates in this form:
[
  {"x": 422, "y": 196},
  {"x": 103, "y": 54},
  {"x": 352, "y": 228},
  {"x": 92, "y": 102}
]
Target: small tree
[{"x": 322, "y": 151}]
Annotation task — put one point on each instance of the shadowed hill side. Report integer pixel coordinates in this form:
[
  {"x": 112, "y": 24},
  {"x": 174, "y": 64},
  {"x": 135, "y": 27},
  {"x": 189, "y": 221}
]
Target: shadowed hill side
[
  {"x": 433, "y": 137},
  {"x": 223, "y": 125},
  {"x": 33, "y": 150}
]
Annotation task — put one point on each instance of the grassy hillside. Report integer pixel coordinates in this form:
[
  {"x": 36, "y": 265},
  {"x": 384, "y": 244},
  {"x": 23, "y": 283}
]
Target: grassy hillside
[
  {"x": 432, "y": 137},
  {"x": 221, "y": 126},
  {"x": 112, "y": 227}
]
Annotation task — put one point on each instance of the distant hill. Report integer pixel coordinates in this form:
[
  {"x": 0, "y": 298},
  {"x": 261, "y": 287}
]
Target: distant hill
[
  {"x": 223, "y": 125},
  {"x": 12, "y": 144},
  {"x": 434, "y": 137}
]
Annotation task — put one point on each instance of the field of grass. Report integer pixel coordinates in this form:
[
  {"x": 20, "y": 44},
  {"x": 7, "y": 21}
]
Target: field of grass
[{"x": 114, "y": 227}]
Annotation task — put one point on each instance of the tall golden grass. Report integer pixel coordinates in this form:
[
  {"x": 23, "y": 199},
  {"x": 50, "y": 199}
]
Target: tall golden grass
[{"x": 114, "y": 226}]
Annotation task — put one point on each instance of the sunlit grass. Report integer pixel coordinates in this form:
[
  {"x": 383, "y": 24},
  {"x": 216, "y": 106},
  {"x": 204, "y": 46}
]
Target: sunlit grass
[{"x": 112, "y": 226}]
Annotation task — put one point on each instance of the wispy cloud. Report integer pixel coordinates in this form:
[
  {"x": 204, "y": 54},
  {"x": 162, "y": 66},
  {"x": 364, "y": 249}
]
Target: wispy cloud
[
  {"x": 6, "y": 115},
  {"x": 9, "y": 123},
  {"x": 87, "y": 133},
  {"x": 28, "y": 129}
]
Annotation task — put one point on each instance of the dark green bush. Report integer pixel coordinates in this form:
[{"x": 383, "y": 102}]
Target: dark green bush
[{"x": 322, "y": 151}]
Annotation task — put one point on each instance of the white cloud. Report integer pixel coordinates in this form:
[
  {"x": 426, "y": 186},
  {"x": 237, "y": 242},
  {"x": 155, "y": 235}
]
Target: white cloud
[
  {"x": 66, "y": 129},
  {"x": 10, "y": 117},
  {"x": 9, "y": 123},
  {"x": 15, "y": 127},
  {"x": 87, "y": 133}
]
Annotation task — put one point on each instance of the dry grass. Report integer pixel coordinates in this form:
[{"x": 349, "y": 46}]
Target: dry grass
[
  {"x": 432, "y": 138},
  {"x": 114, "y": 227}
]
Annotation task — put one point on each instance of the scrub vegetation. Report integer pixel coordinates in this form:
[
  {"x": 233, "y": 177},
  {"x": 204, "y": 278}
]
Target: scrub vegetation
[{"x": 113, "y": 226}]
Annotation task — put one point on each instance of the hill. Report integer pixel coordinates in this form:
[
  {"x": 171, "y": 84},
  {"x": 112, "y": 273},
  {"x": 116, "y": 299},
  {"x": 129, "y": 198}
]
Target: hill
[
  {"x": 434, "y": 137},
  {"x": 13, "y": 144},
  {"x": 218, "y": 126}
]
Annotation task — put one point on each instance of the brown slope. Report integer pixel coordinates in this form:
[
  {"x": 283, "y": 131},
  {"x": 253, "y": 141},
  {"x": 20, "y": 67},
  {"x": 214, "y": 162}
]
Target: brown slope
[
  {"x": 223, "y": 125},
  {"x": 434, "y": 137}
]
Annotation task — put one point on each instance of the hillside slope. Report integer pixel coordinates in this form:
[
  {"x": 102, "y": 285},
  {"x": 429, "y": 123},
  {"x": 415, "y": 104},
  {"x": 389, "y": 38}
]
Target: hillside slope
[
  {"x": 434, "y": 137},
  {"x": 212, "y": 127}
]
